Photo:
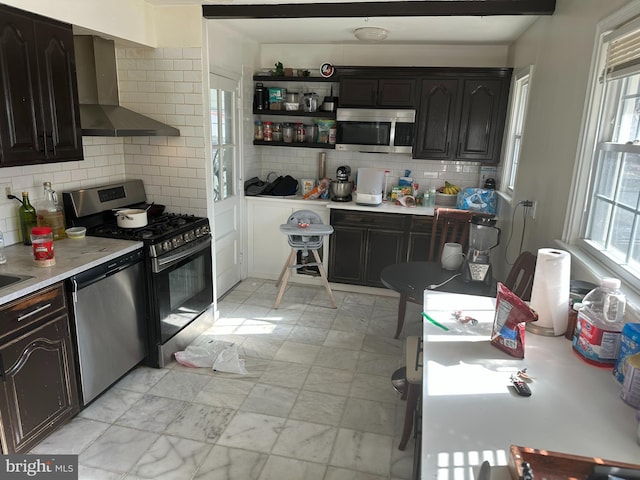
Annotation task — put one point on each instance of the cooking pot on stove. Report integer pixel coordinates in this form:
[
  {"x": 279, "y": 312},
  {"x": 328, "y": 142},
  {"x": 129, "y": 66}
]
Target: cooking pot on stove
[{"x": 131, "y": 218}]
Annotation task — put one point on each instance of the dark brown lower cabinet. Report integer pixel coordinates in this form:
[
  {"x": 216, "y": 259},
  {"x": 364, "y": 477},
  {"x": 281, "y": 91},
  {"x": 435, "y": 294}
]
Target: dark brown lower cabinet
[
  {"x": 363, "y": 243},
  {"x": 39, "y": 391},
  {"x": 420, "y": 233}
]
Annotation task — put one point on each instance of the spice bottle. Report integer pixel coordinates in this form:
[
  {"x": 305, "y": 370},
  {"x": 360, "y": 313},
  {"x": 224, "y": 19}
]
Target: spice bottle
[
  {"x": 28, "y": 218},
  {"x": 300, "y": 133},
  {"x": 258, "y": 132},
  {"x": 50, "y": 213},
  {"x": 277, "y": 132},
  {"x": 267, "y": 129}
]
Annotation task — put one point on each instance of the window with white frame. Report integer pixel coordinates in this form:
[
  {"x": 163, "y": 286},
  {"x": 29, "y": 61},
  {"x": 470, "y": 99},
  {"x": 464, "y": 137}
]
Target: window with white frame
[
  {"x": 519, "y": 102},
  {"x": 610, "y": 224}
]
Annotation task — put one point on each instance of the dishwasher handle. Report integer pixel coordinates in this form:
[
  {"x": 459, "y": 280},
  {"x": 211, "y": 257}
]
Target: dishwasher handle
[{"x": 93, "y": 275}]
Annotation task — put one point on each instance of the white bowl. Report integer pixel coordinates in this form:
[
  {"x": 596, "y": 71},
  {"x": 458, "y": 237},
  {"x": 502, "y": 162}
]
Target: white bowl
[
  {"x": 446, "y": 199},
  {"x": 76, "y": 232}
]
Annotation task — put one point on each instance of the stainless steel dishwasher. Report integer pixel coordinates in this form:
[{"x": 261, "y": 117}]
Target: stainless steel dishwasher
[{"x": 110, "y": 316}]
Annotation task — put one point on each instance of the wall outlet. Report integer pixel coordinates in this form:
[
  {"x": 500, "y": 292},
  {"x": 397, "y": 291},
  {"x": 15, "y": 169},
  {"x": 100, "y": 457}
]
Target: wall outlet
[{"x": 531, "y": 208}]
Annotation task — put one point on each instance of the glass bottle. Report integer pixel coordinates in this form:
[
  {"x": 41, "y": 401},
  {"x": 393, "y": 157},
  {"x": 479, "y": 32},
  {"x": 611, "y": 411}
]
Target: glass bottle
[
  {"x": 258, "y": 132},
  {"x": 50, "y": 213},
  {"x": 277, "y": 132},
  {"x": 268, "y": 131},
  {"x": 28, "y": 218}
]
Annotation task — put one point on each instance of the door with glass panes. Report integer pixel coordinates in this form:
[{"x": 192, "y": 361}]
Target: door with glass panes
[{"x": 226, "y": 207}]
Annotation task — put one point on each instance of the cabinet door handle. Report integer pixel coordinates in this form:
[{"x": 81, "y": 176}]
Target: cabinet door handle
[
  {"x": 50, "y": 137},
  {"x": 43, "y": 148},
  {"x": 37, "y": 310},
  {"x": 2, "y": 372}
]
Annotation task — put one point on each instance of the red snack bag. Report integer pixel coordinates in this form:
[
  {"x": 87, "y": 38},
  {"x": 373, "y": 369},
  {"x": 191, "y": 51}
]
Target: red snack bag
[{"x": 508, "y": 324}]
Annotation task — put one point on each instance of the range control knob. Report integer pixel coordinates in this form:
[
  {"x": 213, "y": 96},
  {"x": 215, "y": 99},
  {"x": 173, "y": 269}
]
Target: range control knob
[{"x": 166, "y": 246}]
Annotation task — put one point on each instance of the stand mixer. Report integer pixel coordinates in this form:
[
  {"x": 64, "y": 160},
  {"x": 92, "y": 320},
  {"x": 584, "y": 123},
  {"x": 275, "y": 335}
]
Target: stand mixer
[
  {"x": 483, "y": 236},
  {"x": 342, "y": 187}
]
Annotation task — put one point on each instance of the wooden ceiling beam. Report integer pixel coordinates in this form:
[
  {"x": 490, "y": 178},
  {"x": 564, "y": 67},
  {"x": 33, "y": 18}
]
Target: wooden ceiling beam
[{"x": 423, "y": 8}]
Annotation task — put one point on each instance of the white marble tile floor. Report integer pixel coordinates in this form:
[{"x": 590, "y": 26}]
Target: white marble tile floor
[{"x": 316, "y": 404}]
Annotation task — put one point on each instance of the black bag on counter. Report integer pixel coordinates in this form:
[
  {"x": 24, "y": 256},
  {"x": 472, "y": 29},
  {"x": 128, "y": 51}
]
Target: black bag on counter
[
  {"x": 286, "y": 186},
  {"x": 254, "y": 186},
  {"x": 281, "y": 186}
]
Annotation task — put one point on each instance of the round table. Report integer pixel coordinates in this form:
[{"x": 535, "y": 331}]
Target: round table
[{"x": 411, "y": 279}]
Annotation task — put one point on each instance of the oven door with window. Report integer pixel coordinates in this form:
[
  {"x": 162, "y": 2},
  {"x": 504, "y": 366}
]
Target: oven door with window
[{"x": 181, "y": 288}]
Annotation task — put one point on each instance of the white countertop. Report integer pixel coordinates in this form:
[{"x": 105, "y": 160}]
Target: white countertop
[
  {"x": 384, "y": 207},
  {"x": 72, "y": 256},
  {"x": 471, "y": 414}
]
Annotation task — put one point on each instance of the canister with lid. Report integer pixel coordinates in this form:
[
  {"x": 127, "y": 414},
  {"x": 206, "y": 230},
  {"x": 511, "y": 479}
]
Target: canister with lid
[{"x": 42, "y": 247}]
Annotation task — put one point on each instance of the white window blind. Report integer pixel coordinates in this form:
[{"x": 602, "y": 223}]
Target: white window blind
[{"x": 623, "y": 52}]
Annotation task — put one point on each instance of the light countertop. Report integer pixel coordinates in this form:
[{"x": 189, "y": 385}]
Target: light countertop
[
  {"x": 72, "y": 256},
  {"x": 384, "y": 207},
  {"x": 471, "y": 414}
]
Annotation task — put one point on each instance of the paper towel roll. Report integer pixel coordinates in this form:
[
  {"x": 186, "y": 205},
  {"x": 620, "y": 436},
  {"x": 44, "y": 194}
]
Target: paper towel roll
[{"x": 550, "y": 291}]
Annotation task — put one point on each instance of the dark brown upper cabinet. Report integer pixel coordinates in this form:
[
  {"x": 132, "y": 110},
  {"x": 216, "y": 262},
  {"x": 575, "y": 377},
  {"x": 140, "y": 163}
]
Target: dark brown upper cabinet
[
  {"x": 435, "y": 118},
  {"x": 461, "y": 115},
  {"x": 369, "y": 92},
  {"x": 40, "y": 118}
]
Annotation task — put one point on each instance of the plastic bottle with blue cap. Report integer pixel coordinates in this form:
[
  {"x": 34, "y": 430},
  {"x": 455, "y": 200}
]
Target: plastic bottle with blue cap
[{"x": 600, "y": 322}]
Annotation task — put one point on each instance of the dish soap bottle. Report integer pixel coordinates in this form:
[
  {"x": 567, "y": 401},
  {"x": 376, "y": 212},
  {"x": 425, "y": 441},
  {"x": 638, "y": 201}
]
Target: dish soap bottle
[
  {"x": 28, "y": 218},
  {"x": 50, "y": 213}
]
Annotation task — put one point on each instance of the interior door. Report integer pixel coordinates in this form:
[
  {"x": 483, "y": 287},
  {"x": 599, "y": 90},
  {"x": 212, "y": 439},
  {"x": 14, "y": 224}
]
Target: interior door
[{"x": 226, "y": 208}]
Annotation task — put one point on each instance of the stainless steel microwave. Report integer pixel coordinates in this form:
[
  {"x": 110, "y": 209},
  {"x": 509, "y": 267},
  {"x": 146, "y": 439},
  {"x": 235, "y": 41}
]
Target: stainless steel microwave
[{"x": 375, "y": 130}]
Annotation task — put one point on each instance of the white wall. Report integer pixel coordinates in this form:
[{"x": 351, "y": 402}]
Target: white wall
[
  {"x": 128, "y": 20},
  {"x": 560, "y": 48},
  {"x": 312, "y": 56},
  {"x": 163, "y": 83}
]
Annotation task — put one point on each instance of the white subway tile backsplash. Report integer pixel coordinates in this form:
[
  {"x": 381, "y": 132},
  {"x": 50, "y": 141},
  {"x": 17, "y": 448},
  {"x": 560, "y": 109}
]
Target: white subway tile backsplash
[{"x": 170, "y": 53}]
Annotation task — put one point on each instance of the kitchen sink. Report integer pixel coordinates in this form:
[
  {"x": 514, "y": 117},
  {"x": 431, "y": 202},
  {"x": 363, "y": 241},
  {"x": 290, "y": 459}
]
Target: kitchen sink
[{"x": 6, "y": 280}]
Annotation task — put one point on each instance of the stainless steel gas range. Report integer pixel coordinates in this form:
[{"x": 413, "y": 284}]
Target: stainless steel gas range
[{"x": 178, "y": 262}]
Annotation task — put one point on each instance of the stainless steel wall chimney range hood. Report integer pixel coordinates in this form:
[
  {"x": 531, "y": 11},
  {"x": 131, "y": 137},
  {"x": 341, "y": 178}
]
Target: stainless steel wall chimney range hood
[{"x": 100, "y": 110}]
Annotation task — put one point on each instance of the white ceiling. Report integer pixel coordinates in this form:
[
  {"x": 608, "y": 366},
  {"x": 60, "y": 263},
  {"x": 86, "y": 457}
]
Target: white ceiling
[{"x": 402, "y": 30}]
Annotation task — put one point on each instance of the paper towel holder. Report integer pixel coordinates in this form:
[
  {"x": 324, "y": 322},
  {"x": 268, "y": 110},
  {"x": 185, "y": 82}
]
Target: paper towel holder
[{"x": 550, "y": 292}]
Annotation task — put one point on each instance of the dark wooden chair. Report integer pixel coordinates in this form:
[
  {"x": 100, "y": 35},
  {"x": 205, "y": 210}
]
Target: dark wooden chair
[
  {"x": 449, "y": 225},
  {"x": 520, "y": 278}
]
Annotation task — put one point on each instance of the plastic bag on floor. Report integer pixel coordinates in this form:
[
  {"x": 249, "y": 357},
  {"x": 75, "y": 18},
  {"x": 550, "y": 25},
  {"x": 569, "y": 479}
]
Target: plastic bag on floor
[{"x": 217, "y": 354}]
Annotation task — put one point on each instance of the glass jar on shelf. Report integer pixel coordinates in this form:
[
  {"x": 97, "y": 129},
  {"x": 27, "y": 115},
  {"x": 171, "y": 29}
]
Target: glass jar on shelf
[
  {"x": 300, "y": 137},
  {"x": 267, "y": 130},
  {"x": 287, "y": 133},
  {"x": 258, "y": 131},
  {"x": 277, "y": 132}
]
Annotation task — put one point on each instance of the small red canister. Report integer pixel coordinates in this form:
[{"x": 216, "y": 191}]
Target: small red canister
[{"x": 42, "y": 245}]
